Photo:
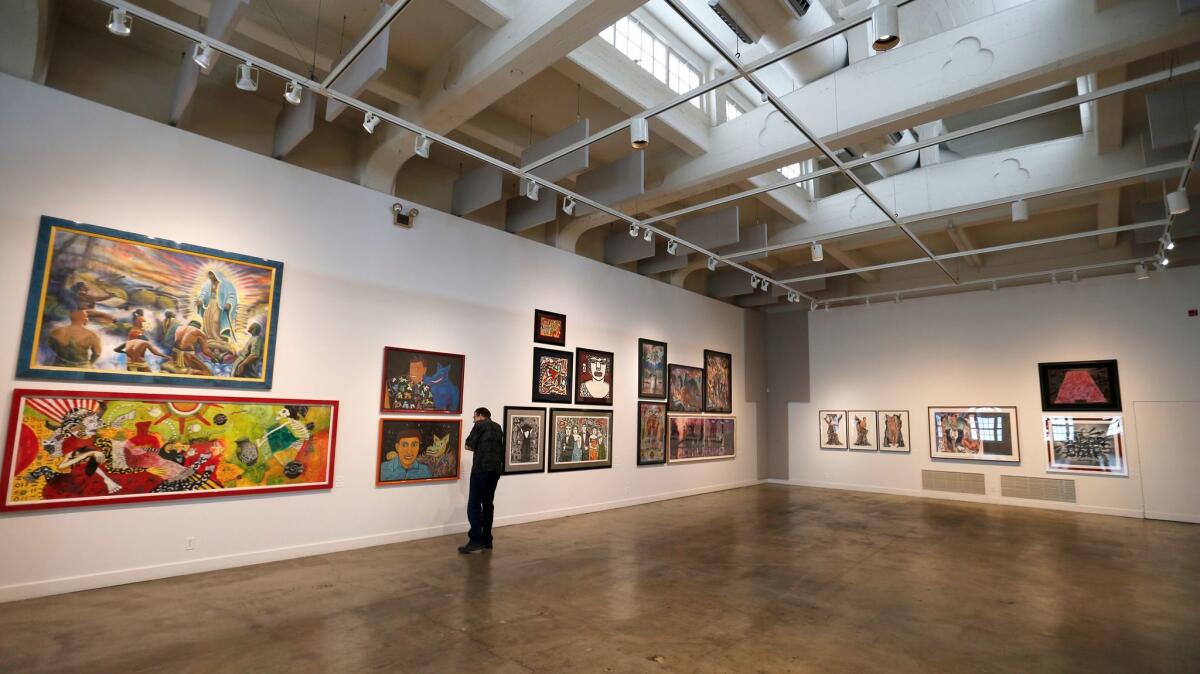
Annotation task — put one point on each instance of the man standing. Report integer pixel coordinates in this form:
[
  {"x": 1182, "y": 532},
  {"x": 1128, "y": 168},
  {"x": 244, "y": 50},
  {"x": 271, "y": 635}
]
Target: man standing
[{"x": 487, "y": 441}]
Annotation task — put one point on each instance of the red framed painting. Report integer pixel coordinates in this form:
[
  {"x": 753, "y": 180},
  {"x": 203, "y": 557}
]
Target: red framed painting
[
  {"x": 418, "y": 450},
  {"x": 421, "y": 382},
  {"x": 93, "y": 448}
]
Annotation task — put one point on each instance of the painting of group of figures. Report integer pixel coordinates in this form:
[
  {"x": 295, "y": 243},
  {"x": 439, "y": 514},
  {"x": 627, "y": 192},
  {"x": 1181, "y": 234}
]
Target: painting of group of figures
[
  {"x": 580, "y": 439},
  {"x": 981, "y": 433},
  {"x": 113, "y": 306},
  {"x": 74, "y": 448},
  {"x": 864, "y": 430},
  {"x": 695, "y": 438}
]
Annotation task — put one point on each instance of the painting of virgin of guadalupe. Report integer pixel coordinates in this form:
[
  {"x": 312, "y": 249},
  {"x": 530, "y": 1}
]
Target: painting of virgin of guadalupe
[{"x": 106, "y": 305}]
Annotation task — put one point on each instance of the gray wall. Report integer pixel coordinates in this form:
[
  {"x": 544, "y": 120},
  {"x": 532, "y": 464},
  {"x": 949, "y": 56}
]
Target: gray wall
[{"x": 785, "y": 351}]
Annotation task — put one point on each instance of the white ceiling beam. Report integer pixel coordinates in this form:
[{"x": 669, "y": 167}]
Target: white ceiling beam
[
  {"x": 963, "y": 242},
  {"x": 1109, "y": 111},
  {"x": 490, "y": 13},
  {"x": 851, "y": 261},
  {"x": 1108, "y": 214},
  {"x": 26, "y": 34}
]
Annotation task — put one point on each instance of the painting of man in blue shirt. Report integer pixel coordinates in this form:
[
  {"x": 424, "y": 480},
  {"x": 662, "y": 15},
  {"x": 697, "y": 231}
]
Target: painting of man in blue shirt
[{"x": 401, "y": 461}]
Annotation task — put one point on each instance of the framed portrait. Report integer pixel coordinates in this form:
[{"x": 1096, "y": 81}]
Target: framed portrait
[
  {"x": 594, "y": 377},
  {"x": 1085, "y": 444},
  {"x": 832, "y": 425},
  {"x": 685, "y": 386},
  {"x": 418, "y": 450},
  {"x": 107, "y": 305},
  {"x": 552, "y": 375},
  {"x": 862, "y": 432},
  {"x": 524, "y": 440},
  {"x": 652, "y": 369},
  {"x": 549, "y": 328},
  {"x": 983, "y": 433},
  {"x": 580, "y": 439},
  {"x": 718, "y": 382},
  {"x": 1083, "y": 386},
  {"x": 652, "y": 433},
  {"x": 93, "y": 448},
  {"x": 893, "y": 431},
  {"x": 422, "y": 382}
]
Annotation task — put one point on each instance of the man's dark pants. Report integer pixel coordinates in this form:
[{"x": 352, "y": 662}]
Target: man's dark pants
[{"x": 479, "y": 505}]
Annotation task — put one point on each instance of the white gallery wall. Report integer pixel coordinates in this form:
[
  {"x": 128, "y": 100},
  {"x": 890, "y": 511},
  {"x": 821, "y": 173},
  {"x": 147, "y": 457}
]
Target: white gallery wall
[
  {"x": 983, "y": 348},
  {"x": 352, "y": 283}
]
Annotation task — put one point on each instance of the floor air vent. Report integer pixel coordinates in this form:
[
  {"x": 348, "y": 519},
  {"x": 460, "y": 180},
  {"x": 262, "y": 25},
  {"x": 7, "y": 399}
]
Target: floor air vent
[
  {"x": 945, "y": 480},
  {"x": 1041, "y": 488}
]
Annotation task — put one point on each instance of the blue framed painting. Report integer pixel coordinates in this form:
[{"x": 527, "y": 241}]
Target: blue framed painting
[{"x": 107, "y": 305}]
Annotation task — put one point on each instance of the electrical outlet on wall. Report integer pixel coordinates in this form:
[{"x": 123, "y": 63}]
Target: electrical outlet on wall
[
  {"x": 339, "y": 481},
  {"x": 189, "y": 543}
]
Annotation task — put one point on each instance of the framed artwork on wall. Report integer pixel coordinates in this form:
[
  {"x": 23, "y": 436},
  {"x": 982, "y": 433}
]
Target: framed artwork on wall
[
  {"x": 862, "y": 432},
  {"x": 594, "y": 377},
  {"x": 652, "y": 433},
  {"x": 1085, "y": 444},
  {"x": 422, "y": 382},
  {"x": 977, "y": 433},
  {"x": 1083, "y": 386},
  {"x": 893, "y": 431},
  {"x": 652, "y": 369},
  {"x": 549, "y": 328},
  {"x": 700, "y": 438},
  {"x": 107, "y": 305},
  {"x": 685, "y": 388},
  {"x": 418, "y": 450},
  {"x": 580, "y": 439},
  {"x": 524, "y": 440},
  {"x": 718, "y": 382},
  {"x": 552, "y": 375},
  {"x": 832, "y": 425},
  {"x": 91, "y": 448}
]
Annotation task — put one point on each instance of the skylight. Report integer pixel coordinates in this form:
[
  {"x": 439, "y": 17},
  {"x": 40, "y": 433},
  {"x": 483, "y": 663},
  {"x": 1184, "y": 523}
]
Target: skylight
[{"x": 646, "y": 49}]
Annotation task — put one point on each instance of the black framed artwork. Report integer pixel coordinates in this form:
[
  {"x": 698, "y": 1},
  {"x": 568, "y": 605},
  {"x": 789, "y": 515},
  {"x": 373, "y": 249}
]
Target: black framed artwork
[
  {"x": 718, "y": 382},
  {"x": 549, "y": 328},
  {"x": 552, "y": 375},
  {"x": 652, "y": 369},
  {"x": 594, "y": 377},
  {"x": 524, "y": 440},
  {"x": 580, "y": 439},
  {"x": 685, "y": 386},
  {"x": 1080, "y": 386},
  {"x": 652, "y": 433}
]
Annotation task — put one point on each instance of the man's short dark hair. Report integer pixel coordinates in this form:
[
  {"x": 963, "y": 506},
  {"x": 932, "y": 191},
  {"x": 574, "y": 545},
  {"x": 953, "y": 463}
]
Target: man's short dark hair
[{"x": 483, "y": 412}]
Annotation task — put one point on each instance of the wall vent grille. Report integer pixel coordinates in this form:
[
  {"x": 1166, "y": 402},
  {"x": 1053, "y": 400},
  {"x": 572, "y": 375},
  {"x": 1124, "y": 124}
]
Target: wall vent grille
[
  {"x": 1040, "y": 488},
  {"x": 945, "y": 480}
]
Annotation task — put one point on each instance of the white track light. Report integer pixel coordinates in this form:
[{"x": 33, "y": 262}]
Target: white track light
[
  {"x": 765, "y": 97},
  {"x": 1074, "y": 277},
  {"x": 754, "y": 281},
  {"x": 247, "y": 77},
  {"x": 569, "y": 206},
  {"x": 639, "y": 132},
  {"x": 712, "y": 264},
  {"x": 1020, "y": 211},
  {"x": 370, "y": 121},
  {"x": 886, "y": 21},
  {"x": 1053, "y": 279},
  {"x": 793, "y": 297},
  {"x": 818, "y": 252},
  {"x": 994, "y": 286},
  {"x": 634, "y": 230},
  {"x": 422, "y": 146},
  {"x": 898, "y": 300},
  {"x": 1177, "y": 202},
  {"x": 868, "y": 302},
  {"x": 1166, "y": 242},
  {"x": 649, "y": 234},
  {"x": 1141, "y": 271},
  {"x": 120, "y": 23},
  {"x": 1163, "y": 260},
  {"x": 766, "y": 285},
  {"x": 530, "y": 189},
  {"x": 292, "y": 92},
  {"x": 813, "y": 306},
  {"x": 203, "y": 55},
  {"x": 827, "y": 306},
  {"x": 672, "y": 246}
]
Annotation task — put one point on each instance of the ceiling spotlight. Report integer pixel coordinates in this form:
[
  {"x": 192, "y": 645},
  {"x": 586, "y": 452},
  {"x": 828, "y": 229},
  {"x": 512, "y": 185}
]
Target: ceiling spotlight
[
  {"x": 1054, "y": 279},
  {"x": 813, "y": 306},
  {"x": 818, "y": 252},
  {"x": 639, "y": 133},
  {"x": 1074, "y": 277},
  {"x": 1141, "y": 271},
  {"x": 634, "y": 230},
  {"x": 203, "y": 55},
  {"x": 569, "y": 206},
  {"x": 247, "y": 77},
  {"x": 292, "y": 92},
  {"x": 1163, "y": 260},
  {"x": 898, "y": 298},
  {"x": 1177, "y": 202},
  {"x": 827, "y": 306},
  {"x": 886, "y": 22},
  {"x": 754, "y": 281},
  {"x": 712, "y": 264},
  {"x": 868, "y": 302},
  {"x": 370, "y": 121},
  {"x": 1020, "y": 211},
  {"x": 1166, "y": 242},
  {"x": 765, "y": 97},
  {"x": 120, "y": 23},
  {"x": 793, "y": 297},
  {"x": 994, "y": 286},
  {"x": 672, "y": 246},
  {"x": 422, "y": 146},
  {"x": 766, "y": 285},
  {"x": 649, "y": 234},
  {"x": 530, "y": 188}
]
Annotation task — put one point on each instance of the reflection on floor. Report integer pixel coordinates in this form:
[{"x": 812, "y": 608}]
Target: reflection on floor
[{"x": 767, "y": 578}]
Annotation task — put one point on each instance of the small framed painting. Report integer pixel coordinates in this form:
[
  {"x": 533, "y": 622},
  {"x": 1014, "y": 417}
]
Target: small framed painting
[
  {"x": 862, "y": 432},
  {"x": 422, "y": 382},
  {"x": 652, "y": 433},
  {"x": 524, "y": 440},
  {"x": 549, "y": 328},
  {"x": 1085, "y": 444},
  {"x": 652, "y": 369},
  {"x": 552, "y": 375},
  {"x": 977, "y": 433},
  {"x": 1082, "y": 386},
  {"x": 418, "y": 450},
  {"x": 580, "y": 439},
  {"x": 685, "y": 388},
  {"x": 718, "y": 382},
  {"x": 594, "y": 377},
  {"x": 893, "y": 431},
  {"x": 833, "y": 429}
]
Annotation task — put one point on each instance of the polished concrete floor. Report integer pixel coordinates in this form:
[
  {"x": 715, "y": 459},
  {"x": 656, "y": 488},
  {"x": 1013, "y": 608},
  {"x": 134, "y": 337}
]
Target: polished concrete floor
[{"x": 767, "y": 578}]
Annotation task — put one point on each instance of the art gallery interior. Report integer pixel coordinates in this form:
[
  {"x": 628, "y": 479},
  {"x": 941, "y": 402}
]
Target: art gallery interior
[{"x": 827, "y": 335}]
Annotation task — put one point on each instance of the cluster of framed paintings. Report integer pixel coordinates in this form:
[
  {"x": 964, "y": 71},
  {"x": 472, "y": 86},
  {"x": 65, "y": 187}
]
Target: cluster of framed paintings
[
  {"x": 429, "y": 449},
  {"x": 678, "y": 429},
  {"x": 861, "y": 430}
]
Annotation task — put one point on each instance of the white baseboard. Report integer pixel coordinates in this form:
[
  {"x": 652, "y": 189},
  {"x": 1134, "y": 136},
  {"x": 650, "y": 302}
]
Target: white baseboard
[
  {"x": 1174, "y": 517},
  {"x": 974, "y": 498},
  {"x": 42, "y": 588}
]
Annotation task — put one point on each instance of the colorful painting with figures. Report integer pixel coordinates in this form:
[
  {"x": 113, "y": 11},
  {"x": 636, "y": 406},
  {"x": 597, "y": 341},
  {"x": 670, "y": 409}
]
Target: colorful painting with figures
[
  {"x": 594, "y": 378},
  {"x": 718, "y": 382},
  {"x": 686, "y": 388},
  {"x": 418, "y": 450},
  {"x": 77, "y": 448},
  {"x": 580, "y": 439},
  {"x": 652, "y": 433},
  {"x": 979, "y": 433},
  {"x": 552, "y": 375},
  {"x": 863, "y": 434},
  {"x": 893, "y": 431},
  {"x": 652, "y": 369},
  {"x": 108, "y": 305},
  {"x": 549, "y": 328},
  {"x": 524, "y": 439},
  {"x": 832, "y": 425},
  {"x": 422, "y": 381}
]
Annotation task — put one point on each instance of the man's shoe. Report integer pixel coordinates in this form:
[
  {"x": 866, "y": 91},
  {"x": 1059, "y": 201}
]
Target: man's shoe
[
  {"x": 487, "y": 546},
  {"x": 470, "y": 548}
]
